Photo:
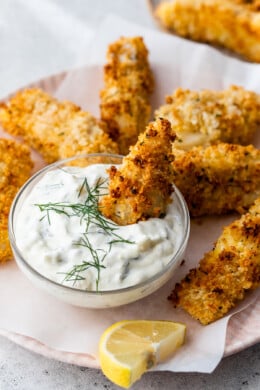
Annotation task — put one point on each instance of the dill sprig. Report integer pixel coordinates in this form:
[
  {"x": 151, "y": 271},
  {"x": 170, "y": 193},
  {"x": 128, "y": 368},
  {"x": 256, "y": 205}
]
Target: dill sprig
[
  {"x": 89, "y": 213},
  {"x": 75, "y": 273}
]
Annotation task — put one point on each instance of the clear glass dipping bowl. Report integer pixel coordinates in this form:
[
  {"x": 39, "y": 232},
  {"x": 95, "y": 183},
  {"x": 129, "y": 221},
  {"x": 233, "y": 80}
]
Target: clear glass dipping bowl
[{"x": 94, "y": 299}]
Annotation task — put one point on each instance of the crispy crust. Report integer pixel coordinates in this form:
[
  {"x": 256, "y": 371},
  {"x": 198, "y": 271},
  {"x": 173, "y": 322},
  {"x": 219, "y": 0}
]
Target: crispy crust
[
  {"x": 235, "y": 25},
  {"x": 218, "y": 179},
  {"x": 55, "y": 129},
  {"x": 128, "y": 85},
  {"x": 142, "y": 186},
  {"x": 15, "y": 169},
  {"x": 207, "y": 117},
  {"x": 225, "y": 273}
]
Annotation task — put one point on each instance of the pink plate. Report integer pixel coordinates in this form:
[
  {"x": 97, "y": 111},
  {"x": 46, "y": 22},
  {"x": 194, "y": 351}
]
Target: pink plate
[{"x": 243, "y": 327}]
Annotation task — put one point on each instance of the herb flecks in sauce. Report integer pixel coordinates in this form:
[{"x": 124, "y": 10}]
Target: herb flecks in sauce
[{"x": 89, "y": 213}]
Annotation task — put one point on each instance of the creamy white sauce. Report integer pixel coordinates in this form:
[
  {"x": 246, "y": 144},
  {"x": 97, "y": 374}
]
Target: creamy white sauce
[{"x": 50, "y": 243}]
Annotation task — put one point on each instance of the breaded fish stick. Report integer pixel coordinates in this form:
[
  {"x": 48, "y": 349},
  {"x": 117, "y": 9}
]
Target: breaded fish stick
[
  {"x": 218, "y": 179},
  {"x": 142, "y": 186},
  {"x": 234, "y": 24},
  {"x": 15, "y": 169},
  {"x": 206, "y": 117},
  {"x": 55, "y": 129},
  {"x": 225, "y": 273},
  {"x": 128, "y": 85}
]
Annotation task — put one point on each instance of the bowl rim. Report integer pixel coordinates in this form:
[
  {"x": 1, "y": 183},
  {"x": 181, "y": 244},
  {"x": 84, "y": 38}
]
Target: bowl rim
[{"x": 17, "y": 252}]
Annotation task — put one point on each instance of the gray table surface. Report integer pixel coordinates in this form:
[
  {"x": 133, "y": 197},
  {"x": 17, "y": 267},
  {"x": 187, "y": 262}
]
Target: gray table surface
[{"x": 43, "y": 37}]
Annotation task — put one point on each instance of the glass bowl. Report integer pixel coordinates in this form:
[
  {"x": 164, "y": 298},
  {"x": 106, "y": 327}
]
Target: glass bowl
[{"x": 93, "y": 298}]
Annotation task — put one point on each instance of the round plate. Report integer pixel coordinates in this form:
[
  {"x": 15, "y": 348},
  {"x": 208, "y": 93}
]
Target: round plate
[{"x": 242, "y": 330}]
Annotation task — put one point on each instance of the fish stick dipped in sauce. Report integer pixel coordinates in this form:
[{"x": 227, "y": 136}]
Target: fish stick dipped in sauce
[
  {"x": 207, "y": 117},
  {"x": 226, "y": 273},
  {"x": 141, "y": 188},
  {"x": 129, "y": 82}
]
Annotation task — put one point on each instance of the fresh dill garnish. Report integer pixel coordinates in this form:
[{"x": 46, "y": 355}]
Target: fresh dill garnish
[
  {"x": 89, "y": 213},
  {"x": 75, "y": 273}
]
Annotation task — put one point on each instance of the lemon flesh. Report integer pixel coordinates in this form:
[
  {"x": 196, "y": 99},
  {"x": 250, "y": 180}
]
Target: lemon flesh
[{"x": 127, "y": 349}]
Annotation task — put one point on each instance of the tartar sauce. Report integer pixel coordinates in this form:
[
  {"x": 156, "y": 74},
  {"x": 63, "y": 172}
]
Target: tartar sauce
[{"x": 60, "y": 235}]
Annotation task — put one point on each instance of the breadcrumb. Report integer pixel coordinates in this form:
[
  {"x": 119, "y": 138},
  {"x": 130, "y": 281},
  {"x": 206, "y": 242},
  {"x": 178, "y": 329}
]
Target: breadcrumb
[
  {"x": 225, "y": 273},
  {"x": 55, "y": 129},
  {"x": 207, "y": 117},
  {"x": 233, "y": 24},
  {"x": 218, "y": 179},
  {"x": 141, "y": 188},
  {"x": 15, "y": 169},
  {"x": 128, "y": 85}
]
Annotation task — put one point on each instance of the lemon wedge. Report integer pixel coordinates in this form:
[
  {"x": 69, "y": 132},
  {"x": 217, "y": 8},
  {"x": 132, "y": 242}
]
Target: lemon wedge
[{"x": 127, "y": 349}]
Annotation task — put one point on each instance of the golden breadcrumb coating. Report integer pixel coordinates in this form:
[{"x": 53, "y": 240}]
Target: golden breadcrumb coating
[
  {"x": 128, "y": 85},
  {"x": 141, "y": 188},
  {"x": 5, "y": 249},
  {"x": 15, "y": 169},
  {"x": 225, "y": 273},
  {"x": 233, "y": 24},
  {"x": 56, "y": 129},
  {"x": 206, "y": 117},
  {"x": 218, "y": 179}
]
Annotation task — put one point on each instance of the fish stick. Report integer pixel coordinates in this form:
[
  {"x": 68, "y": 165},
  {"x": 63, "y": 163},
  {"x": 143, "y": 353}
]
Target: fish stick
[
  {"x": 225, "y": 273},
  {"x": 233, "y": 24},
  {"x": 128, "y": 85},
  {"x": 218, "y": 179},
  {"x": 207, "y": 117},
  {"x": 15, "y": 169},
  {"x": 55, "y": 129},
  {"x": 141, "y": 188}
]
